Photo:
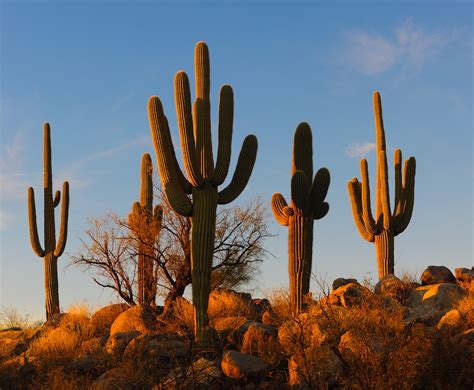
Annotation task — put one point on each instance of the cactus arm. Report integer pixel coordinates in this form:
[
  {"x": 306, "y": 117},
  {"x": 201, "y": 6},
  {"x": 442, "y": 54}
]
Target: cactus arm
[
  {"x": 280, "y": 209},
  {"x": 321, "y": 211},
  {"x": 57, "y": 198},
  {"x": 385, "y": 194},
  {"x": 397, "y": 210},
  {"x": 242, "y": 172},
  {"x": 185, "y": 124},
  {"x": 353, "y": 188},
  {"x": 164, "y": 150},
  {"x": 146, "y": 182},
  {"x": 300, "y": 193},
  {"x": 185, "y": 184},
  {"x": 369, "y": 222},
  {"x": 226, "y": 119},
  {"x": 303, "y": 150},
  {"x": 408, "y": 195},
  {"x": 202, "y": 110},
  {"x": 319, "y": 188},
  {"x": 34, "y": 238},
  {"x": 64, "y": 221}
]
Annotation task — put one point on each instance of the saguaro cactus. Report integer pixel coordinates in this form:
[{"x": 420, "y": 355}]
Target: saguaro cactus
[
  {"x": 386, "y": 225},
  {"x": 203, "y": 178},
  {"x": 145, "y": 223},
  {"x": 307, "y": 204},
  {"x": 52, "y": 250}
]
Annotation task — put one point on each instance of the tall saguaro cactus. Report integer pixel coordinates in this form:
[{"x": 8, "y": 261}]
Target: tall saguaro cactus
[
  {"x": 52, "y": 250},
  {"x": 203, "y": 177},
  {"x": 307, "y": 204},
  {"x": 146, "y": 224},
  {"x": 387, "y": 224}
]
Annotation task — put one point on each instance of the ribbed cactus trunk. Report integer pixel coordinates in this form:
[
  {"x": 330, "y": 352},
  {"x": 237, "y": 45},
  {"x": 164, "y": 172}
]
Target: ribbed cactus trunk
[
  {"x": 203, "y": 177},
  {"x": 382, "y": 229},
  {"x": 300, "y": 248},
  {"x": 385, "y": 251},
  {"x": 52, "y": 250},
  {"x": 307, "y": 204},
  {"x": 202, "y": 247}
]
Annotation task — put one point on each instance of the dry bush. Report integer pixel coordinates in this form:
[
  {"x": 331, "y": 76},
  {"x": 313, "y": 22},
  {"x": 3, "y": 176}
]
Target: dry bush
[
  {"x": 184, "y": 312},
  {"x": 466, "y": 308},
  {"x": 280, "y": 301}
]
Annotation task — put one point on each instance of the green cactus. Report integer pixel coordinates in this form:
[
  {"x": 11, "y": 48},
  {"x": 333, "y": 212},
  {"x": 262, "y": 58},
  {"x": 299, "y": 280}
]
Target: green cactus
[
  {"x": 307, "y": 204},
  {"x": 52, "y": 250},
  {"x": 386, "y": 225},
  {"x": 203, "y": 178},
  {"x": 145, "y": 223}
]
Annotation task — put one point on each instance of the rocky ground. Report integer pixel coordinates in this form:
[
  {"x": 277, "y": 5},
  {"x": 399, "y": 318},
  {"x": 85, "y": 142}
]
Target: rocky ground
[{"x": 399, "y": 334}]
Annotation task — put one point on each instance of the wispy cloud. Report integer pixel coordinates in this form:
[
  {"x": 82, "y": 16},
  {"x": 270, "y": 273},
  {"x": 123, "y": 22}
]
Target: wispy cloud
[
  {"x": 408, "y": 46},
  {"x": 360, "y": 149}
]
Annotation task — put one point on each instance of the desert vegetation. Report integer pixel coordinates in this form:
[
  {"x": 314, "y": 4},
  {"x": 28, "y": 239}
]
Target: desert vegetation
[{"x": 399, "y": 333}]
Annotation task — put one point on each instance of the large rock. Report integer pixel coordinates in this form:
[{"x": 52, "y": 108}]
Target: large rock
[
  {"x": 452, "y": 318},
  {"x": 392, "y": 287},
  {"x": 163, "y": 349},
  {"x": 201, "y": 373},
  {"x": 226, "y": 303},
  {"x": 15, "y": 342},
  {"x": 429, "y": 303},
  {"x": 117, "y": 342},
  {"x": 465, "y": 278},
  {"x": 348, "y": 295},
  {"x": 339, "y": 282},
  {"x": 260, "y": 340},
  {"x": 240, "y": 366},
  {"x": 102, "y": 319},
  {"x": 436, "y": 274},
  {"x": 94, "y": 345},
  {"x": 113, "y": 379},
  {"x": 137, "y": 318}
]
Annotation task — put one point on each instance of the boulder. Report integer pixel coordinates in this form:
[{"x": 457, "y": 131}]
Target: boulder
[
  {"x": 429, "y": 303},
  {"x": 436, "y": 274},
  {"x": 392, "y": 287},
  {"x": 225, "y": 303},
  {"x": 242, "y": 367},
  {"x": 259, "y": 338},
  {"x": 94, "y": 345},
  {"x": 339, "y": 282},
  {"x": 113, "y": 379},
  {"x": 351, "y": 342},
  {"x": 136, "y": 319},
  {"x": 236, "y": 336},
  {"x": 117, "y": 342},
  {"x": 201, "y": 373},
  {"x": 348, "y": 295},
  {"x": 465, "y": 278},
  {"x": 163, "y": 349},
  {"x": 15, "y": 342},
  {"x": 84, "y": 365},
  {"x": 102, "y": 319},
  {"x": 452, "y": 318},
  {"x": 271, "y": 318}
]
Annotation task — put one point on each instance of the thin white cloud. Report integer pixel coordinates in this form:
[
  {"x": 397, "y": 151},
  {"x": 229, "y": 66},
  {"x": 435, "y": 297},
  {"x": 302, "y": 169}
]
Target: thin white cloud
[
  {"x": 409, "y": 46},
  {"x": 360, "y": 149}
]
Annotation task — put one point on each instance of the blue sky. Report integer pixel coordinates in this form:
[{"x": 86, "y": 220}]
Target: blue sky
[{"x": 89, "y": 68}]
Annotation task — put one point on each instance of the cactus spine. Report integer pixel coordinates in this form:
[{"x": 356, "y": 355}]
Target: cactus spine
[
  {"x": 203, "y": 177},
  {"x": 307, "y": 204},
  {"x": 52, "y": 250},
  {"x": 145, "y": 222},
  {"x": 386, "y": 225}
]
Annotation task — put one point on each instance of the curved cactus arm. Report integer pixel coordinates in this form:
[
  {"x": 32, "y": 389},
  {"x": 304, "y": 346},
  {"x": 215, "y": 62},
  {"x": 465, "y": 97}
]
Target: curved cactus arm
[
  {"x": 146, "y": 182},
  {"x": 280, "y": 209},
  {"x": 408, "y": 195},
  {"x": 158, "y": 214},
  {"x": 397, "y": 209},
  {"x": 242, "y": 172},
  {"x": 321, "y": 211},
  {"x": 182, "y": 96},
  {"x": 319, "y": 188},
  {"x": 64, "y": 221},
  {"x": 134, "y": 217},
  {"x": 300, "y": 193},
  {"x": 34, "y": 239},
  {"x": 303, "y": 150},
  {"x": 226, "y": 119},
  {"x": 385, "y": 194},
  {"x": 185, "y": 184},
  {"x": 369, "y": 221},
  {"x": 353, "y": 187},
  {"x": 202, "y": 110},
  {"x": 57, "y": 198},
  {"x": 164, "y": 150}
]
